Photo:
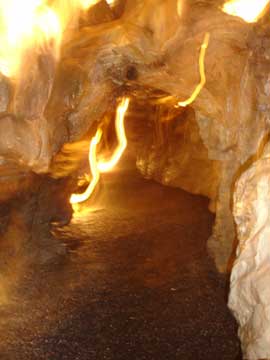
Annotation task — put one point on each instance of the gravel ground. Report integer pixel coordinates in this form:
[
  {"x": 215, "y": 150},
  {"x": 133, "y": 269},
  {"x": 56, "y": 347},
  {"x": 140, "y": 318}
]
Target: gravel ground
[{"x": 137, "y": 284}]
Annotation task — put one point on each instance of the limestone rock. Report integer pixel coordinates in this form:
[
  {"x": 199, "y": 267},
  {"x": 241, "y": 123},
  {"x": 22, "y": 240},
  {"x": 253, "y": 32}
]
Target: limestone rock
[{"x": 250, "y": 293}]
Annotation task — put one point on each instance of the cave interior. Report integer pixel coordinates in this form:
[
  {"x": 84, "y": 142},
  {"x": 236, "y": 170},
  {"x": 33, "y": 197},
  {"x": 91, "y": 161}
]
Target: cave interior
[{"x": 134, "y": 147}]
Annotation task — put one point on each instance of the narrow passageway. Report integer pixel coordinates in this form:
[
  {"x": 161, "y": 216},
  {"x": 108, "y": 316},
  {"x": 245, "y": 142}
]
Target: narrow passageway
[{"x": 137, "y": 284}]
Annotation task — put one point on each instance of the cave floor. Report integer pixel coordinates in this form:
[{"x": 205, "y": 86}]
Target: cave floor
[{"x": 137, "y": 284}]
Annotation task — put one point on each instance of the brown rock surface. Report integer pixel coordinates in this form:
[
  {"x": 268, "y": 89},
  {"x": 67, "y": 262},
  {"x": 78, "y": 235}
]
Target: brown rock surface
[{"x": 150, "y": 53}]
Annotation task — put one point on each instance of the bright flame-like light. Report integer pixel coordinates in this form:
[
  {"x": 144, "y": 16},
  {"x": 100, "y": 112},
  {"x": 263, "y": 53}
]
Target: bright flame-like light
[
  {"x": 179, "y": 7},
  {"x": 105, "y": 166},
  {"x": 101, "y": 166},
  {"x": 248, "y": 10},
  {"x": 33, "y": 24},
  {"x": 110, "y": 2},
  {"x": 78, "y": 198},
  {"x": 200, "y": 86},
  {"x": 25, "y": 24},
  {"x": 85, "y": 4}
]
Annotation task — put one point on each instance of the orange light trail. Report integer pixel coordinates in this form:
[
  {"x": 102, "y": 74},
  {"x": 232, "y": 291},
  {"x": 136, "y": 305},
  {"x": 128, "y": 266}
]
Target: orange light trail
[
  {"x": 101, "y": 166},
  {"x": 200, "y": 86},
  {"x": 179, "y": 7},
  {"x": 105, "y": 166},
  {"x": 78, "y": 198}
]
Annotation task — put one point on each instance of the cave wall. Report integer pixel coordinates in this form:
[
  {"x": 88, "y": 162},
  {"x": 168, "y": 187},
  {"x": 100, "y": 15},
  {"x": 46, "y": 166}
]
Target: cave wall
[
  {"x": 146, "y": 50},
  {"x": 171, "y": 150},
  {"x": 231, "y": 111},
  {"x": 151, "y": 53},
  {"x": 249, "y": 291}
]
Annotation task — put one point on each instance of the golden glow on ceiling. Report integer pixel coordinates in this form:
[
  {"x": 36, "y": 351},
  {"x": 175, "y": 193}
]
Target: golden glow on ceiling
[
  {"x": 85, "y": 4},
  {"x": 110, "y": 2},
  {"x": 33, "y": 24},
  {"x": 25, "y": 24},
  {"x": 248, "y": 10}
]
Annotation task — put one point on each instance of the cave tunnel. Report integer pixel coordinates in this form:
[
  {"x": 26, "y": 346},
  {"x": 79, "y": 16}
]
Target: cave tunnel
[{"x": 134, "y": 148}]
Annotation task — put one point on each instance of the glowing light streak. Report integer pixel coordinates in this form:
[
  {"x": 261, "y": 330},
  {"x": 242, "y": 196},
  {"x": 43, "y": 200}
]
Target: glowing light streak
[
  {"x": 78, "y": 198},
  {"x": 179, "y": 7},
  {"x": 101, "y": 166},
  {"x": 105, "y": 166},
  {"x": 248, "y": 10},
  {"x": 200, "y": 86}
]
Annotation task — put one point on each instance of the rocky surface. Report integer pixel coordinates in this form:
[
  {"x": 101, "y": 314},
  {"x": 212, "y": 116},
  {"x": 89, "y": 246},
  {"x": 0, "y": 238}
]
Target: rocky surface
[
  {"x": 155, "y": 60},
  {"x": 249, "y": 294},
  {"x": 148, "y": 51},
  {"x": 151, "y": 53},
  {"x": 232, "y": 103}
]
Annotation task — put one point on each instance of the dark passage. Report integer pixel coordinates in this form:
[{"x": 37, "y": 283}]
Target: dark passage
[{"x": 138, "y": 284}]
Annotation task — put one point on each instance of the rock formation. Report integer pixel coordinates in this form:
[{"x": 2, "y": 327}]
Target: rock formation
[
  {"x": 149, "y": 51},
  {"x": 249, "y": 295},
  {"x": 155, "y": 58}
]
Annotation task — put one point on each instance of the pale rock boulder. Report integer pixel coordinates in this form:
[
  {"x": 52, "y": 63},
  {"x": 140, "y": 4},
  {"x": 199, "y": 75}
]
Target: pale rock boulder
[{"x": 250, "y": 291}]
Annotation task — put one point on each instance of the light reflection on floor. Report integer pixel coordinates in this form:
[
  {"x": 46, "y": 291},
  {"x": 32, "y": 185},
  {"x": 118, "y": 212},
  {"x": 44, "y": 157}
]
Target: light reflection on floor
[{"x": 137, "y": 284}]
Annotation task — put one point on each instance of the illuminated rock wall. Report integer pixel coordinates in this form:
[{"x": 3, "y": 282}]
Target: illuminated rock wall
[
  {"x": 152, "y": 53},
  {"x": 250, "y": 292},
  {"x": 231, "y": 111}
]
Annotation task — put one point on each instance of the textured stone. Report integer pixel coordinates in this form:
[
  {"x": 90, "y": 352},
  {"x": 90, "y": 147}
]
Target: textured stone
[
  {"x": 151, "y": 53},
  {"x": 231, "y": 111},
  {"x": 250, "y": 292},
  {"x": 172, "y": 152}
]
